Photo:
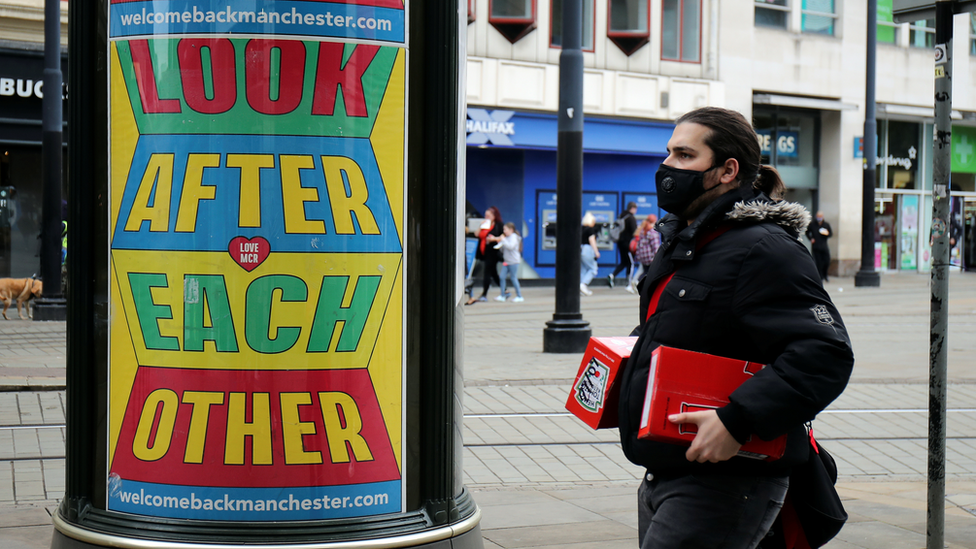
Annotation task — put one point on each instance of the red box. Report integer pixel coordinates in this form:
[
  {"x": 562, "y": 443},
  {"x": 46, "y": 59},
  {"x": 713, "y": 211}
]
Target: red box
[
  {"x": 594, "y": 395},
  {"x": 686, "y": 381}
]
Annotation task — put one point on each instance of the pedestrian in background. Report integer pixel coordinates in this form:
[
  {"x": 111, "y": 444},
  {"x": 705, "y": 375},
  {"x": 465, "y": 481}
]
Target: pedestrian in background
[
  {"x": 589, "y": 253},
  {"x": 648, "y": 242},
  {"x": 818, "y": 232},
  {"x": 628, "y": 223},
  {"x": 730, "y": 279},
  {"x": 510, "y": 244},
  {"x": 488, "y": 236}
]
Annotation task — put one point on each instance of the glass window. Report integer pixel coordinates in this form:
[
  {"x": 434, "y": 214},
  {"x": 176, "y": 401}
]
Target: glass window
[
  {"x": 887, "y": 28},
  {"x": 972, "y": 34},
  {"x": 899, "y": 158},
  {"x": 772, "y": 13},
  {"x": 818, "y": 16},
  {"x": 511, "y": 9},
  {"x": 628, "y": 24},
  {"x": 471, "y": 11},
  {"x": 512, "y": 18},
  {"x": 628, "y": 16},
  {"x": 921, "y": 34},
  {"x": 789, "y": 141},
  {"x": 681, "y": 30},
  {"x": 556, "y": 38}
]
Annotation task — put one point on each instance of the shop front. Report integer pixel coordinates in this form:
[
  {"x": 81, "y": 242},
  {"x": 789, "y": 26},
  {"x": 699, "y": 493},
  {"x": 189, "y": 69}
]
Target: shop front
[
  {"x": 903, "y": 206},
  {"x": 789, "y": 139},
  {"x": 21, "y": 180},
  {"x": 511, "y": 164}
]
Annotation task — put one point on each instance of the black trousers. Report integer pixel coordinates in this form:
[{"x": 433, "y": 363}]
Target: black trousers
[
  {"x": 625, "y": 263},
  {"x": 821, "y": 256}
]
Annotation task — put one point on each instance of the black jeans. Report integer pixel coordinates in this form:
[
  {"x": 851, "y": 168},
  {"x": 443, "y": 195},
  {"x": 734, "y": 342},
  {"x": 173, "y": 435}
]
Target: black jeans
[
  {"x": 707, "y": 511},
  {"x": 625, "y": 263},
  {"x": 821, "y": 256}
]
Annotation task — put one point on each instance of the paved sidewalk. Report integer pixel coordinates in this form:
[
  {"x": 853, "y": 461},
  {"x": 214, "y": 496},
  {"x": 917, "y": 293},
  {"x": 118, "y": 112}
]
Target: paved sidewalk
[{"x": 534, "y": 470}]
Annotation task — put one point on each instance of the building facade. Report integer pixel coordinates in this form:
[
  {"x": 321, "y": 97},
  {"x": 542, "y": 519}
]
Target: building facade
[
  {"x": 794, "y": 67},
  {"x": 21, "y": 94}
]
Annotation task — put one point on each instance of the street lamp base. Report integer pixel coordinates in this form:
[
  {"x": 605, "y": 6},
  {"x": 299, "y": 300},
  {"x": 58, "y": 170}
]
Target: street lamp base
[
  {"x": 867, "y": 279},
  {"x": 50, "y": 308},
  {"x": 570, "y": 335}
]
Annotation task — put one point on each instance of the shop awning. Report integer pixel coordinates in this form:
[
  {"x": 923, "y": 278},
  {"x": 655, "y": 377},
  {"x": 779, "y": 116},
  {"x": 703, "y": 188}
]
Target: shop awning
[
  {"x": 886, "y": 110},
  {"x": 802, "y": 102}
]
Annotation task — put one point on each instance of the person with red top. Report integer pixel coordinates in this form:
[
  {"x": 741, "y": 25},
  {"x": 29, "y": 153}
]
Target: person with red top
[
  {"x": 648, "y": 241},
  {"x": 488, "y": 236}
]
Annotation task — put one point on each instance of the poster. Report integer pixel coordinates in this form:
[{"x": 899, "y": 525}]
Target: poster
[
  {"x": 909, "y": 232},
  {"x": 256, "y": 246}
]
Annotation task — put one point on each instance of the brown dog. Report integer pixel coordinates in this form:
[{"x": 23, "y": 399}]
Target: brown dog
[{"x": 23, "y": 290}]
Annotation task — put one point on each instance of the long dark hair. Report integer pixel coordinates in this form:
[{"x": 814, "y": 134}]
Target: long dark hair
[
  {"x": 498, "y": 215},
  {"x": 732, "y": 136}
]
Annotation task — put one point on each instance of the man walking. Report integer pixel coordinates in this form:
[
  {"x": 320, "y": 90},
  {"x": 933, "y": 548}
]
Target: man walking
[
  {"x": 730, "y": 279},
  {"x": 818, "y": 232},
  {"x": 629, "y": 226}
]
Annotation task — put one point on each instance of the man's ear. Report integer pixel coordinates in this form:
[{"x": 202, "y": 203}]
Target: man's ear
[{"x": 729, "y": 171}]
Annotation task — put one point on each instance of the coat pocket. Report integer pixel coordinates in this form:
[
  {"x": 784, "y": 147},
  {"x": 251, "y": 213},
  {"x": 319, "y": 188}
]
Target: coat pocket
[{"x": 687, "y": 290}]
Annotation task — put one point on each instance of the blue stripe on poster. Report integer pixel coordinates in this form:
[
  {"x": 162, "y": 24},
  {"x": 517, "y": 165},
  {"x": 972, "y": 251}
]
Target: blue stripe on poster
[{"x": 254, "y": 504}]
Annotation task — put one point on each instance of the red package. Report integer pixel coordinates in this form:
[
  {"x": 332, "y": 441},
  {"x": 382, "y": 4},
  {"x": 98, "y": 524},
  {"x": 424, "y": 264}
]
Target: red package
[
  {"x": 685, "y": 381},
  {"x": 594, "y": 395}
]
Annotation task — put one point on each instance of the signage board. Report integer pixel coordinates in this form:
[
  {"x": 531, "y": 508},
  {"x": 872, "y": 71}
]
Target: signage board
[{"x": 256, "y": 364}]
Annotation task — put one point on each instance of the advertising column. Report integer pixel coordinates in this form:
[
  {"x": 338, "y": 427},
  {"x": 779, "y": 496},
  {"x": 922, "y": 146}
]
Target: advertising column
[{"x": 256, "y": 350}]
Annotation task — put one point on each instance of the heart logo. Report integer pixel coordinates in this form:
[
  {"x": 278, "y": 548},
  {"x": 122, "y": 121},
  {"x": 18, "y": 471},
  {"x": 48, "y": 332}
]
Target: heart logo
[{"x": 249, "y": 252}]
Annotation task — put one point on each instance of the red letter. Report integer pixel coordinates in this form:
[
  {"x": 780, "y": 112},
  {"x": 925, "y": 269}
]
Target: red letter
[
  {"x": 223, "y": 72},
  {"x": 291, "y": 75},
  {"x": 331, "y": 75},
  {"x": 146, "y": 81}
]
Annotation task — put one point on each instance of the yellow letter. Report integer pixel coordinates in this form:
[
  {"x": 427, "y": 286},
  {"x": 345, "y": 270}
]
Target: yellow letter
[
  {"x": 159, "y": 174},
  {"x": 164, "y": 431},
  {"x": 259, "y": 429},
  {"x": 292, "y": 429},
  {"x": 194, "y": 190},
  {"x": 249, "y": 212},
  {"x": 196, "y": 437},
  {"x": 332, "y": 403},
  {"x": 345, "y": 204},
  {"x": 294, "y": 196}
]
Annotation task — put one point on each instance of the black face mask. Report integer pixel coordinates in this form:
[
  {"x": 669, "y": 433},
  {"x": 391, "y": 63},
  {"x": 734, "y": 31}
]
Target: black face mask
[{"x": 677, "y": 189}]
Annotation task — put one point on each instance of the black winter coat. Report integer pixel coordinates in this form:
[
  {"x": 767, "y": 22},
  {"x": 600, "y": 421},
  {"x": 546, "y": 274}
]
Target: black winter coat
[{"x": 754, "y": 294}]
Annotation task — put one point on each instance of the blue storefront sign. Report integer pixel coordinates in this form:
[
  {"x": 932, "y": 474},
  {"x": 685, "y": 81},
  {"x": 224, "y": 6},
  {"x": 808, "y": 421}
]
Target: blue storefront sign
[
  {"x": 511, "y": 164},
  {"x": 787, "y": 143}
]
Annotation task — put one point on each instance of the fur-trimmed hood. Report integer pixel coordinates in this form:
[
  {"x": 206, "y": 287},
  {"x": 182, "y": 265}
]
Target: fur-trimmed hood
[{"x": 789, "y": 215}]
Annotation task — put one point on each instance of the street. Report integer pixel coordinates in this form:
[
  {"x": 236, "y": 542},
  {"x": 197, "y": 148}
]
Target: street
[{"x": 534, "y": 469}]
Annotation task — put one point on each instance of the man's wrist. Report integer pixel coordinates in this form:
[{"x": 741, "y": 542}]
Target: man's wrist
[{"x": 733, "y": 417}]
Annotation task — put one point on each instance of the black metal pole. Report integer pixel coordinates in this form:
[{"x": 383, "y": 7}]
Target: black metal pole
[
  {"x": 567, "y": 332},
  {"x": 51, "y": 306},
  {"x": 939, "y": 312},
  {"x": 435, "y": 93},
  {"x": 867, "y": 276}
]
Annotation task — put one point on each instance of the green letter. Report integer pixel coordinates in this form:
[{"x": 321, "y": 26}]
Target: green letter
[
  {"x": 149, "y": 313},
  {"x": 329, "y": 312},
  {"x": 205, "y": 299},
  {"x": 257, "y": 317}
]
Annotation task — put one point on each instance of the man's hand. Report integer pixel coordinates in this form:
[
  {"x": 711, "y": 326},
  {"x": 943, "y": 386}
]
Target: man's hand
[{"x": 713, "y": 442}]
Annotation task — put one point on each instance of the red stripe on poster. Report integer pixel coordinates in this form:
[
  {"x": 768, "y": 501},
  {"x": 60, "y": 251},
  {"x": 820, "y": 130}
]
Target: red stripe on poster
[{"x": 237, "y": 428}]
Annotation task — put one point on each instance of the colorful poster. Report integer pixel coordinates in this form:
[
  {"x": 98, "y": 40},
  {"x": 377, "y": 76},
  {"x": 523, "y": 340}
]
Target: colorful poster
[
  {"x": 257, "y": 312},
  {"x": 907, "y": 248}
]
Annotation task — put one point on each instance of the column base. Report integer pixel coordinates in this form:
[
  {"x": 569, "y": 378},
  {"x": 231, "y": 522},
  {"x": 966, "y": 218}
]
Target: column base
[
  {"x": 50, "y": 308},
  {"x": 566, "y": 336},
  {"x": 867, "y": 279}
]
